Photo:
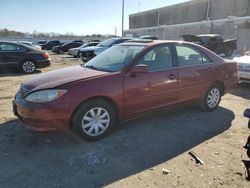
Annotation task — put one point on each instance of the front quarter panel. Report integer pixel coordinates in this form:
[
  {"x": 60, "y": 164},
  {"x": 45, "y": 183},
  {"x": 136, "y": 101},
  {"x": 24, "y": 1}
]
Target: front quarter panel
[{"x": 109, "y": 87}]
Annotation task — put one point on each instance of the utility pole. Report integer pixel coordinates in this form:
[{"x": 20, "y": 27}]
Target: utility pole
[
  {"x": 115, "y": 31},
  {"x": 122, "y": 18}
]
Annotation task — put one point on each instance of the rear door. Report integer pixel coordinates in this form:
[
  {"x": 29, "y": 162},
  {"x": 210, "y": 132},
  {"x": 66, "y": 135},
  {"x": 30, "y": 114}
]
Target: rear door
[
  {"x": 195, "y": 73},
  {"x": 155, "y": 88}
]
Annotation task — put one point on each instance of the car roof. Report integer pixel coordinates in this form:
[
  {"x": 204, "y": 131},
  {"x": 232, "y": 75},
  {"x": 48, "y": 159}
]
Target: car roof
[
  {"x": 146, "y": 42},
  {"x": 208, "y": 35}
]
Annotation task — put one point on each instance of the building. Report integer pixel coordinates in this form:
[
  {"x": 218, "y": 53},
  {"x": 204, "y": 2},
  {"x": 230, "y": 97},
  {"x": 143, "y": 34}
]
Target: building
[{"x": 230, "y": 18}]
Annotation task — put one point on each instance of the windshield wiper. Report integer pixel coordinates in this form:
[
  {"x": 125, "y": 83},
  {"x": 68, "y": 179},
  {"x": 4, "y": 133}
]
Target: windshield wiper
[{"x": 91, "y": 67}]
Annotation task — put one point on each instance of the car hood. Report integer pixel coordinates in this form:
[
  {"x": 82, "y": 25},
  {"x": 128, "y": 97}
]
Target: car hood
[
  {"x": 59, "y": 77},
  {"x": 93, "y": 48},
  {"x": 57, "y": 47},
  {"x": 243, "y": 59},
  {"x": 74, "y": 49}
]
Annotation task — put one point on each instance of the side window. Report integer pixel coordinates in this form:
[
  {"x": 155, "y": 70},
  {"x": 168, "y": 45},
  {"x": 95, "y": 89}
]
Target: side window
[
  {"x": 11, "y": 48},
  {"x": 188, "y": 56},
  {"x": 158, "y": 58}
]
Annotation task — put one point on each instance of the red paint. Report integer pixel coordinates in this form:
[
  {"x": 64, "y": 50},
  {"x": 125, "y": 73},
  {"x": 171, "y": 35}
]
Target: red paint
[{"x": 130, "y": 94}]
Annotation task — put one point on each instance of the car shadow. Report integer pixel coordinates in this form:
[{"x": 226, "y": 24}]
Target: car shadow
[
  {"x": 62, "y": 159},
  {"x": 243, "y": 90},
  {"x": 14, "y": 72},
  {"x": 70, "y": 57}
]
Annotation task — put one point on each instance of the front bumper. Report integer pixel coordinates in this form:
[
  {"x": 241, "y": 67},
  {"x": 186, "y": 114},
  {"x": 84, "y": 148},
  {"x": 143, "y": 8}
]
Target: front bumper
[
  {"x": 244, "y": 76},
  {"x": 43, "y": 117},
  {"x": 73, "y": 53}
]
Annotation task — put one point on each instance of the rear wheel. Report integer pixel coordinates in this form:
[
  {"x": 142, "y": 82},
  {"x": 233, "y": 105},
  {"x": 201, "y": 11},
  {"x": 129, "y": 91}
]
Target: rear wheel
[
  {"x": 78, "y": 54},
  {"x": 212, "y": 98},
  {"x": 94, "y": 119},
  {"x": 61, "y": 51},
  {"x": 28, "y": 67}
]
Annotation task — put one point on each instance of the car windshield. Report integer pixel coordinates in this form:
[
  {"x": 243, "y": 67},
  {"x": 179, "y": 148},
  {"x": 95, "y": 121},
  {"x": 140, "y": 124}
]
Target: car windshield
[
  {"x": 114, "y": 59},
  {"x": 66, "y": 44},
  {"x": 204, "y": 39},
  {"x": 107, "y": 42}
]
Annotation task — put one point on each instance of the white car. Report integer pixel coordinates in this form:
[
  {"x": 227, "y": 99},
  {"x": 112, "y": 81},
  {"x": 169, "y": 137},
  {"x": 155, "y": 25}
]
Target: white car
[
  {"x": 75, "y": 51},
  {"x": 31, "y": 44},
  {"x": 244, "y": 68}
]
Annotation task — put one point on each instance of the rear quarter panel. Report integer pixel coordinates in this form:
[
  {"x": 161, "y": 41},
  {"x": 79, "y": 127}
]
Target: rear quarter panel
[
  {"x": 224, "y": 71},
  {"x": 229, "y": 75}
]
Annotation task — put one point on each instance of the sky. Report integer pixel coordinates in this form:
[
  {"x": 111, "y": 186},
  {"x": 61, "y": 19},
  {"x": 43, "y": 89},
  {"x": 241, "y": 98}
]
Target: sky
[{"x": 80, "y": 17}]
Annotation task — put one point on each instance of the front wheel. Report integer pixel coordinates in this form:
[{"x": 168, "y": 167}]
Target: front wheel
[
  {"x": 212, "y": 98},
  {"x": 94, "y": 119},
  {"x": 28, "y": 67},
  {"x": 61, "y": 51}
]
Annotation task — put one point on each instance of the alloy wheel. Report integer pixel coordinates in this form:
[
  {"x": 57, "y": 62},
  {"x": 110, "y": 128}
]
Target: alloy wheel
[
  {"x": 29, "y": 67},
  {"x": 213, "y": 98}
]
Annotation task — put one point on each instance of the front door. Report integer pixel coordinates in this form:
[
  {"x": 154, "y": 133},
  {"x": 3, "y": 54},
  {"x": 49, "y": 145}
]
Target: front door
[{"x": 155, "y": 88}]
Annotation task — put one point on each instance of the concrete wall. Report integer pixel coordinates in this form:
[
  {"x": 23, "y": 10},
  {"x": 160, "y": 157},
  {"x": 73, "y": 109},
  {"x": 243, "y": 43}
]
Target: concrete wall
[
  {"x": 232, "y": 27},
  {"x": 191, "y": 11}
]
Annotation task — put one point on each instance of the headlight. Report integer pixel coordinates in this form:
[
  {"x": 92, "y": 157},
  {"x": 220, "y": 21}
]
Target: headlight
[{"x": 45, "y": 95}]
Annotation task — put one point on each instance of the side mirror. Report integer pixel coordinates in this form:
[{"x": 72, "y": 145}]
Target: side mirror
[{"x": 140, "y": 68}]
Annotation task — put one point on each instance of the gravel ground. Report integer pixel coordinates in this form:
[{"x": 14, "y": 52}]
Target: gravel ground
[{"x": 134, "y": 154}]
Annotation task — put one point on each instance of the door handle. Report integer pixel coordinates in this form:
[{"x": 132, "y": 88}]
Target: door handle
[
  {"x": 171, "y": 76},
  {"x": 210, "y": 69}
]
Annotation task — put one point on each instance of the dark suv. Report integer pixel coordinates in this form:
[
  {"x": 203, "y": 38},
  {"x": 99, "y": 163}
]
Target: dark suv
[
  {"x": 65, "y": 47},
  {"x": 23, "y": 57},
  {"x": 50, "y": 44},
  {"x": 88, "y": 53}
]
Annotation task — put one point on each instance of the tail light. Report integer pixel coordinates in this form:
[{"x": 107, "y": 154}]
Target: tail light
[{"x": 45, "y": 55}]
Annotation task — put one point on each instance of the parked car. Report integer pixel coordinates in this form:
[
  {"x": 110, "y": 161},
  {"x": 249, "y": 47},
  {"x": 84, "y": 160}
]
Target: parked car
[
  {"x": 31, "y": 44},
  {"x": 75, "y": 51},
  {"x": 78, "y": 41},
  {"x": 23, "y": 57},
  {"x": 244, "y": 68},
  {"x": 65, "y": 47},
  {"x": 41, "y": 42},
  {"x": 214, "y": 42},
  {"x": 124, "y": 82},
  {"x": 148, "y": 37},
  {"x": 50, "y": 44},
  {"x": 88, "y": 53}
]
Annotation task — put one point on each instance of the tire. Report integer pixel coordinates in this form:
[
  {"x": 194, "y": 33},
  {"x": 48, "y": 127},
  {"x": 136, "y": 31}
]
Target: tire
[
  {"x": 212, "y": 98},
  {"x": 229, "y": 52},
  {"x": 94, "y": 119},
  {"x": 28, "y": 67},
  {"x": 60, "y": 51}
]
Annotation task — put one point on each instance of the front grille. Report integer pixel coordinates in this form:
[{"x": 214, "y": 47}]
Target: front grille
[
  {"x": 244, "y": 67},
  {"x": 23, "y": 92}
]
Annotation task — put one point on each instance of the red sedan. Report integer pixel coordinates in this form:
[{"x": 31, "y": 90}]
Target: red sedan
[{"x": 123, "y": 83}]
